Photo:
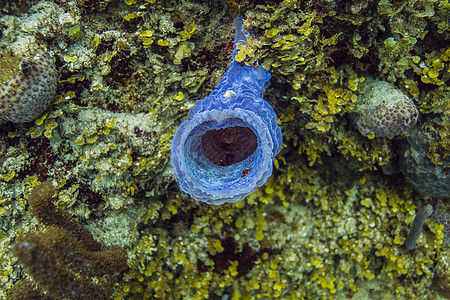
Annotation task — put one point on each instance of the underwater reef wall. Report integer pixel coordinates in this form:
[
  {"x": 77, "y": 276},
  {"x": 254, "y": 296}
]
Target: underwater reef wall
[{"x": 331, "y": 221}]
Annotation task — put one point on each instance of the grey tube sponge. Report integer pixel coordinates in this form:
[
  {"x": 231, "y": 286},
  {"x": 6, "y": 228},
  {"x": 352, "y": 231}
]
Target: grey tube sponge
[{"x": 416, "y": 229}]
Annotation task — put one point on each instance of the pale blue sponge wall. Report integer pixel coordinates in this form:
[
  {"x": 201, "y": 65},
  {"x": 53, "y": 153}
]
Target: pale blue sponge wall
[{"x": 227, "y": 124}]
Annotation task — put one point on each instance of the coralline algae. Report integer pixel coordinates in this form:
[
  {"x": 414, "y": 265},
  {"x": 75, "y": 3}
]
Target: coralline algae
[{"x": 225, "y": 148}]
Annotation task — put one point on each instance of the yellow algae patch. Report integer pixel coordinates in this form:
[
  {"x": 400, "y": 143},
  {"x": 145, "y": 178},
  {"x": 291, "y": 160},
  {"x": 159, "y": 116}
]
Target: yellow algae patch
[
  {"x": 188, "y": 31},
  {"x": 179, "y": 96}
]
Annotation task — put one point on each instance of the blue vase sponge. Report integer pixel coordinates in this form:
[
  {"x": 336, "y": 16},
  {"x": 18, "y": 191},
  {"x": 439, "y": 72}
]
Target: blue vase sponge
[{"x": 224, "y": 150}]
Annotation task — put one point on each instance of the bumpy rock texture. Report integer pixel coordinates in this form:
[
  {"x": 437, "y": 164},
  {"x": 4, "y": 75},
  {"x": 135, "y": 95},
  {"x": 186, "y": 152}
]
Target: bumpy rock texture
[
  {"x": 426, "y": 177},
  {"x": 28, "y": 86},
  {"x": 384, "y": 111}
]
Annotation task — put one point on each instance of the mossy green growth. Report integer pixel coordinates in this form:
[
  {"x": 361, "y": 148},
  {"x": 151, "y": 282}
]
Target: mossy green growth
[
  {"x": 9, "y": 66},
  {"x": 75, "y": 32}
]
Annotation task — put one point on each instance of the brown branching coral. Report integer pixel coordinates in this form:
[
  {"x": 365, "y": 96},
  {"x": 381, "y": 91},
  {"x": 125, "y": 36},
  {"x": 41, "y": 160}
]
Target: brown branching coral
[
  {"x": 48, "y": 214},
  {"x": 64, "y": 260}
]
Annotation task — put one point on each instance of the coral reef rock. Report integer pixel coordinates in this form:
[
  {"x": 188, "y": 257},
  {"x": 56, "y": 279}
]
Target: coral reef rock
[{"x": 426, "y": 177}]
